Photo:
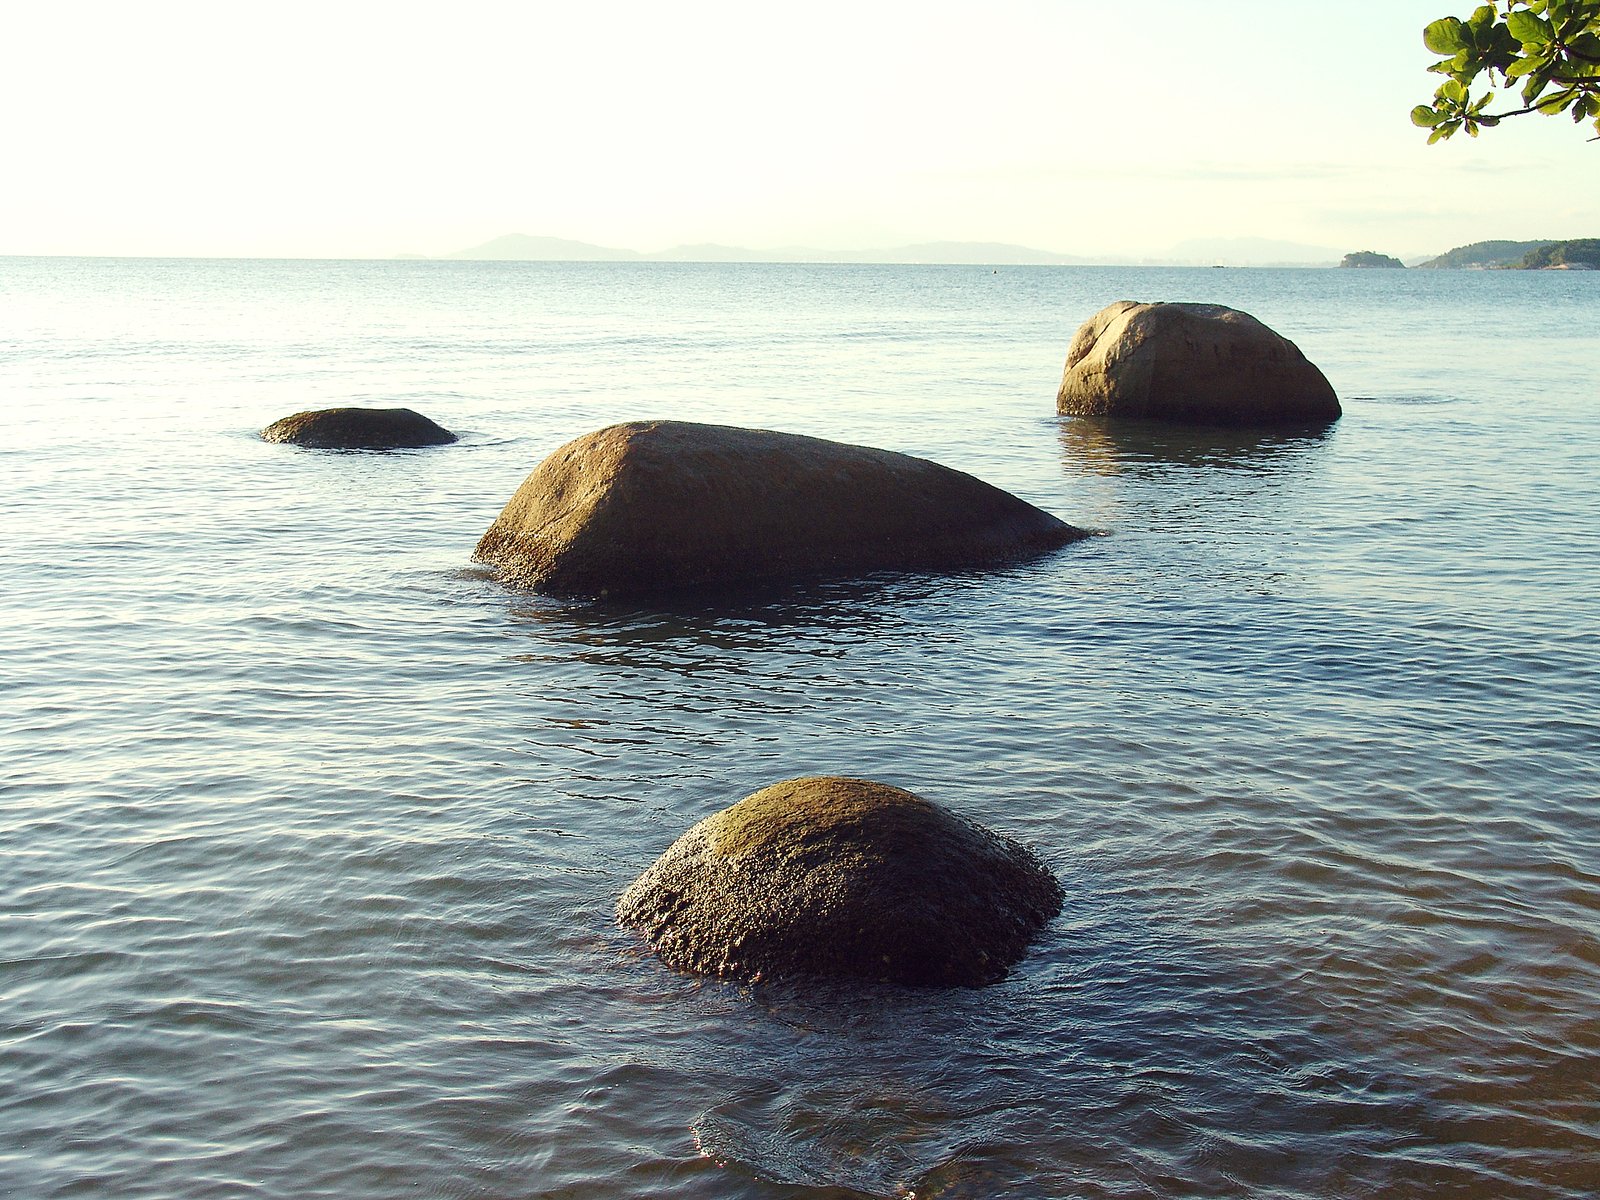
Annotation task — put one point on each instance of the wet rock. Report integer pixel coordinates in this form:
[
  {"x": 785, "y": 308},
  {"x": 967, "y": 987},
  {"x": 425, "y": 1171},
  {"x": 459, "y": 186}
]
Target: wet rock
[
  {"x": 844, "y": 878},
  {"x": 663, "y": 506},
  {"x": 1198, "y": 363},
  {"x": 358, "y": 429}
]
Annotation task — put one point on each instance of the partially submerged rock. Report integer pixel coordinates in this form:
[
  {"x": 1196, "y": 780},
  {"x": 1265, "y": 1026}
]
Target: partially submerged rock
[
  {"x": 845, "y": 878},
  {"x": 655, "y": 507},
  {"x": 1199, "y": 363},
  {"x": 358, "y": 429}
]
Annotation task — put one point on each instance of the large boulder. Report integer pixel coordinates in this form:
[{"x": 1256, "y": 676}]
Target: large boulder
[
  {"x": 843, "y": 878},
  {"x": 358, "y": 429},
  {"x": 1198, "y": 363},
  {"x": 656, "y": 507}
]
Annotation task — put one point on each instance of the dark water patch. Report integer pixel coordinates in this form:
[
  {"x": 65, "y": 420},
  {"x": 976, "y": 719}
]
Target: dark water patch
[{"x": 1108, "y": 447}]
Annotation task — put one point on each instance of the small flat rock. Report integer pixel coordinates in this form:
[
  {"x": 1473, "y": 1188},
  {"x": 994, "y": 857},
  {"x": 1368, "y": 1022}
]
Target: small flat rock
[
  {"x": 828, "y": 876},
  {"x": 654, "y": 507},
  {"x": 358, "y": 429},
  {"x": 1201, "y": 364}
]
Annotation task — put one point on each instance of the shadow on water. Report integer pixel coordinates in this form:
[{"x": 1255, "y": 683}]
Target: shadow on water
[
  {"x": 822, "y": 619},
  {"x": 1117, "y": 447}
]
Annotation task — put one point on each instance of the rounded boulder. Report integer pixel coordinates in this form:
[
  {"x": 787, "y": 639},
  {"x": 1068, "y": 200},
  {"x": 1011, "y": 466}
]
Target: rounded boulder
[
  {"x": 654, "y": 507},
  {"x": 1203, "y": 364},
  {"x": 843, "y": 878},
  {"x": 358, "y": 429}
]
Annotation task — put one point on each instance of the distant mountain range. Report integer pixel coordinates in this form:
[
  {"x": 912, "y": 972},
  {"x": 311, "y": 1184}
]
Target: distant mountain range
[
  {"x": 1250, "y": 252},
  {"x": 1226, "y": 252},
  {"x": 522, "y": 247},
  {"x": 543, "y": 249},
  {"x": 1232, "y": 252}
]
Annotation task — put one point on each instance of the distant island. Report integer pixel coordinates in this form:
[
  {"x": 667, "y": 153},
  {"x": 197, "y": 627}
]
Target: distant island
[
  {"x": 1370, "y": 258},
  {"x": 1482, "y": 256},
  {"x": 1579, "y": 254}
]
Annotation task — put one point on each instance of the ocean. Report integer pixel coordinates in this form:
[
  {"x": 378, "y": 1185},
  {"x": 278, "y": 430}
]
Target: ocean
[{"x": 311, "y": 832}]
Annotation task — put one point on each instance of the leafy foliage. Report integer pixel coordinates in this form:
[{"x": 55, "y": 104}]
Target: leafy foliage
[
  {"x": 1550, "y": 49},
  {"x": 1577, "y": 252}
]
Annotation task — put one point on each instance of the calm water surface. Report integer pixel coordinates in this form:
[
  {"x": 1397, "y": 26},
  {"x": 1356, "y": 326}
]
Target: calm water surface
[{"x": 310, "y": 833}]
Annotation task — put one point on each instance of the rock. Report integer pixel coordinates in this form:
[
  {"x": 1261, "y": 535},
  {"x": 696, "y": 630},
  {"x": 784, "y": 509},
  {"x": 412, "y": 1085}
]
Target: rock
[
  {"x": 845, "y": 878},
  {"x": 656, "y": 507},
  {"x": 1198, "y": 363},
  {"x": 358, "y": 429}
]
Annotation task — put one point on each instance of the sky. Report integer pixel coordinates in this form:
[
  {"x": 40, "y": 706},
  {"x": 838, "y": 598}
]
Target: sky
[{"x": 355, "y": 129}]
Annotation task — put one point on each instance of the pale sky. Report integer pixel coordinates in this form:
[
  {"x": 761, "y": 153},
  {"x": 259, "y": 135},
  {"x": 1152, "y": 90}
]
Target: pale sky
[{"x": 1079, "y": 126}]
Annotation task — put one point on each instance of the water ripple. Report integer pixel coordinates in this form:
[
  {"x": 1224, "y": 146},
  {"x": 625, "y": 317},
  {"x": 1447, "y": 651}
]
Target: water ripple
[{"x": 312, "y": 832}]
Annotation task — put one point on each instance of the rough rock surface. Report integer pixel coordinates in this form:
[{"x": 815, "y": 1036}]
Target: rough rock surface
[
  {"x": 844, "y": 878},
  {"x": 656, "y": 507},
  {"x": 1199, "y": 363},
  {"x": 358, "y": 429}
]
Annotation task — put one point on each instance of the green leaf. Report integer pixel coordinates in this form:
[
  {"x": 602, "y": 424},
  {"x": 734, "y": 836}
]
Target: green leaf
[
  {"x": 1548, "y": 50},
  {"x": 1447, "y": 35},
  {"x": 1479, "y": 24},
  {"x": 1529, "y": 29},
  {"x": 1503, "y": 50}
]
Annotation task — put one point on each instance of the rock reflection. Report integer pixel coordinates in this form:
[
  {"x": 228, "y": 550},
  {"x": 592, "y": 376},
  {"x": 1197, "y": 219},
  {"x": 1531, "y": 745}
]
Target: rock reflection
[
  {"x": 739, "y": 633},
  {"x": 1127, "y": 447}
]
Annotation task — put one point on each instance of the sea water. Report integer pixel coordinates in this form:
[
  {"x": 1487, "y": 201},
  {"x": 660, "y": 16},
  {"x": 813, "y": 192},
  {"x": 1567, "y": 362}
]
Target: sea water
[{"x": 311, "y": 832}]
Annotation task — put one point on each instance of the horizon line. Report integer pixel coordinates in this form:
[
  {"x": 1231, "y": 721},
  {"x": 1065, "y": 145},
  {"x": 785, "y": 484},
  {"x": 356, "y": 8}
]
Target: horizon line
[{"x": 646, "y": 261}]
